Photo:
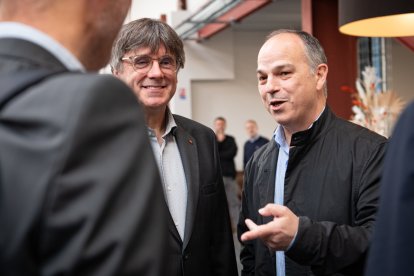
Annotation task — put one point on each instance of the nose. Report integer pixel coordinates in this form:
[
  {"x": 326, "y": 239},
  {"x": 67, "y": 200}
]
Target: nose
[
  {"x": 155, "y": 70},
  {"x": 272, "y": 85}
]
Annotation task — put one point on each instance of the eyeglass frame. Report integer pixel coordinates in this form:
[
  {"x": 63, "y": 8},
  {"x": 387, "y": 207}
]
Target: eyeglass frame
[{"x": 131, "y": 61}]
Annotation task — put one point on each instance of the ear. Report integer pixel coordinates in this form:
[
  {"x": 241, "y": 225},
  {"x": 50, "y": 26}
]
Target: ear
[
  {"x": 114, "y": 72},
  {"x": 321, "y": 74}
]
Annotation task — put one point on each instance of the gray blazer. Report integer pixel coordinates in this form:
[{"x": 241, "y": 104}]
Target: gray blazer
[
  {"x": 208, "y": 247},
  {"x": 80, "y": 192}
]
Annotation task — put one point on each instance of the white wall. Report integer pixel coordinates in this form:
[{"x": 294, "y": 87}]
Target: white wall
[
  {"x": 151, "y": 8},
  {"x": 402, "y": 68},
  {"x": 236, "y": 99},
  {"x": 212, "y": 60},
  {"x": 154, "y": 8}
]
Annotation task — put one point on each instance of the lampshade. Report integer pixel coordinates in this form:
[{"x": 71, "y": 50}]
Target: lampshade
[{"x": 376, "y": 18}]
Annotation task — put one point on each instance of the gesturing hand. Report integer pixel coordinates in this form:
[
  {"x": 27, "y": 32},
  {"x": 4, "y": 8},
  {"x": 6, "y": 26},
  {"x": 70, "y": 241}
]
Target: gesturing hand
[{"x": 278, "y": 233}]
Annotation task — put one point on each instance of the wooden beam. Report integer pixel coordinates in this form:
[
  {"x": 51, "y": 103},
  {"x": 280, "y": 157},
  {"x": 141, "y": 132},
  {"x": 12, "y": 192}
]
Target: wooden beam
[{"x": 237, "y": 13}]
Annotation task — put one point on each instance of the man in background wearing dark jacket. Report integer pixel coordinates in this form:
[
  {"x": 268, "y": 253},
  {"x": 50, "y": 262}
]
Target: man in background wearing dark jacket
[
  {"x": 254, "y": 142},
  {"x": 311, "y": 194},
  {"x": 227, "y": 150}
]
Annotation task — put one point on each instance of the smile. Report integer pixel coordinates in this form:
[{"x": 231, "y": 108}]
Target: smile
[{"x": 153, "y": 86}]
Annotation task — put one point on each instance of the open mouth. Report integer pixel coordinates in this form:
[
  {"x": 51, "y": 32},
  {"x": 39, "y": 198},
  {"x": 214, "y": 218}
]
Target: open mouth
[{"x": 276, "y": 103}]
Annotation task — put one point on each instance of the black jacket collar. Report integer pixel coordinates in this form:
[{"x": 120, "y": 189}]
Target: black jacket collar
[{"x": 304, "y": 137}]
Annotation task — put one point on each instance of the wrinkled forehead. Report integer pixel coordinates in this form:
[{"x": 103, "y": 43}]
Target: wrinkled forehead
[{"x": 281, "y": 50}]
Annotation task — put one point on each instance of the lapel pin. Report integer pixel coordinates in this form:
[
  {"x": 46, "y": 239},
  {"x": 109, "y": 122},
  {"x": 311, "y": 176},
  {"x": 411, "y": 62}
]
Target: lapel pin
[{"x": 190, "y": 141}]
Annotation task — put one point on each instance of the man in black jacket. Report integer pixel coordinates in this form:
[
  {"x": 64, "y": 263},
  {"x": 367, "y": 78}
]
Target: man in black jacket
[
  {"x": 310, "y": 195},
  {"x": 147, "y": 56},
  {"x": 79, "y": 185}
]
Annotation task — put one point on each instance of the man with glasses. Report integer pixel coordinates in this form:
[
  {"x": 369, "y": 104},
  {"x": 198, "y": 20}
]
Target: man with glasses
[{"x": 147, "y": 56}]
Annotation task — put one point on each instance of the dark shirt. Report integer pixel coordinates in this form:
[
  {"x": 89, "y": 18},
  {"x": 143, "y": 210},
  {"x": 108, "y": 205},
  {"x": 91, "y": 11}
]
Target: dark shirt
[
  {"x": 227, "y": 151},
  {"x": 250, "y": 147}
]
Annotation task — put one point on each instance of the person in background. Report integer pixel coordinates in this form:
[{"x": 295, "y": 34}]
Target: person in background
[
  {"x": 391, "y": 249},
  {"x": 254, "y": 142},
  {"x": 147, "y": 56},
  {"x": 227, "y": 149},
  {"x": 79, "y": 185},
  {"x": 311, "y": 194}
]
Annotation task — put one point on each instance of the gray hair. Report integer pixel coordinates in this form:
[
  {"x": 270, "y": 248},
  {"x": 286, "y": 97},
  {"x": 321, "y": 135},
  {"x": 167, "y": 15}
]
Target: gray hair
[
  {"x": 313, "y": 49},
  {"x": 146, "y": 32}
]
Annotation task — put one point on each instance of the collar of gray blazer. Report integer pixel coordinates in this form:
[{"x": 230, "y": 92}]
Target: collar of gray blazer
[{"x": 28, "y": 33}]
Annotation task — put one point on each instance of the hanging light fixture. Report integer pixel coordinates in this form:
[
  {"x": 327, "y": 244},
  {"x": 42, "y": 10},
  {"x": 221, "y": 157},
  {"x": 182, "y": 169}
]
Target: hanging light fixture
[{"x": 376, "y": 18}]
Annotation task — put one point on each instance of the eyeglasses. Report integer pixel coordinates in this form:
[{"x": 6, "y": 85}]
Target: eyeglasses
[{"x": 143, "y": 63}]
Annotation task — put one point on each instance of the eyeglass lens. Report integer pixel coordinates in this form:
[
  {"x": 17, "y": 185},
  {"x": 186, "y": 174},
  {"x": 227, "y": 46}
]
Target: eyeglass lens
[{"x": 142, "y": 62}]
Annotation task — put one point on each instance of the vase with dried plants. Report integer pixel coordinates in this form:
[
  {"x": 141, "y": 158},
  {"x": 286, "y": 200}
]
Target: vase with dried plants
[{"x": 373, "y": 109}]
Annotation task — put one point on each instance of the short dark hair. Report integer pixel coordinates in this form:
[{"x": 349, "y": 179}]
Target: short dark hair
[
  {"x": 219, "y": 118},
  {"x": 146, "y": 32},
  {"x": 313, "y": 49}
]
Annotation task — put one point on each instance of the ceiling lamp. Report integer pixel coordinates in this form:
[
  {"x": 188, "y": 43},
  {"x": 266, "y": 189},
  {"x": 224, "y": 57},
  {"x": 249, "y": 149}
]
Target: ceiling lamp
[{"x": 376, "y": 18}]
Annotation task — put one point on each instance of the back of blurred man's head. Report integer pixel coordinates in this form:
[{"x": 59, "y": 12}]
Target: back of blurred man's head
[{"x": 85, "y": 28}]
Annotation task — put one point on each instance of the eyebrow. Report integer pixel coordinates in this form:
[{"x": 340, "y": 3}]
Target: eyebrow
[
  {"x": 149, "y": 55},
  {"x": 277, "y": 68}
]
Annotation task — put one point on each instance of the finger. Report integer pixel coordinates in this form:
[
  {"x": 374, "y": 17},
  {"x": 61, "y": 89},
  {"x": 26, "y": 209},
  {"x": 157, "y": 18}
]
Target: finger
[
  {"x": 272, "y": 210},
  {"x": 249, "y": 235},
  {"x": 250, "y": 224},
  {"x": 258, "y": 231}
]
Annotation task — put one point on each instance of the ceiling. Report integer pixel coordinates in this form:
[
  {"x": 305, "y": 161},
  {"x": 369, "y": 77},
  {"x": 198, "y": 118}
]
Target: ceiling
[
  {"x": 277, "y": 14},
  {"x": 263, "y": 17}
]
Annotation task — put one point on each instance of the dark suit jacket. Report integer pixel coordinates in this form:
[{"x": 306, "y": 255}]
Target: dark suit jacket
[
  {"x": 80, "y": 192},
  {"x": 208, "y": 247},
  {"x": 391, "y": 252}
]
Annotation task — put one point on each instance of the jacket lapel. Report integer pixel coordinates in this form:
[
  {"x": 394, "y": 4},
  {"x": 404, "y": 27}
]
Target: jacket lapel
[
  {"x": 171, "y": 227},
  {"x": 188, "y": 150}
]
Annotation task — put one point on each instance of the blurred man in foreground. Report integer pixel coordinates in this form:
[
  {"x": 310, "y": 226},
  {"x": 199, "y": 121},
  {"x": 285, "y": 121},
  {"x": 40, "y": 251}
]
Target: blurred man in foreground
[{"x": 78, "y": 181}]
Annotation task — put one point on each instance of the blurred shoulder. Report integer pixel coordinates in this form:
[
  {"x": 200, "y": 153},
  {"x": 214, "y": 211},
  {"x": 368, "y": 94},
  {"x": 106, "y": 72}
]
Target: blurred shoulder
[{"x": 89, "y": 83}]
